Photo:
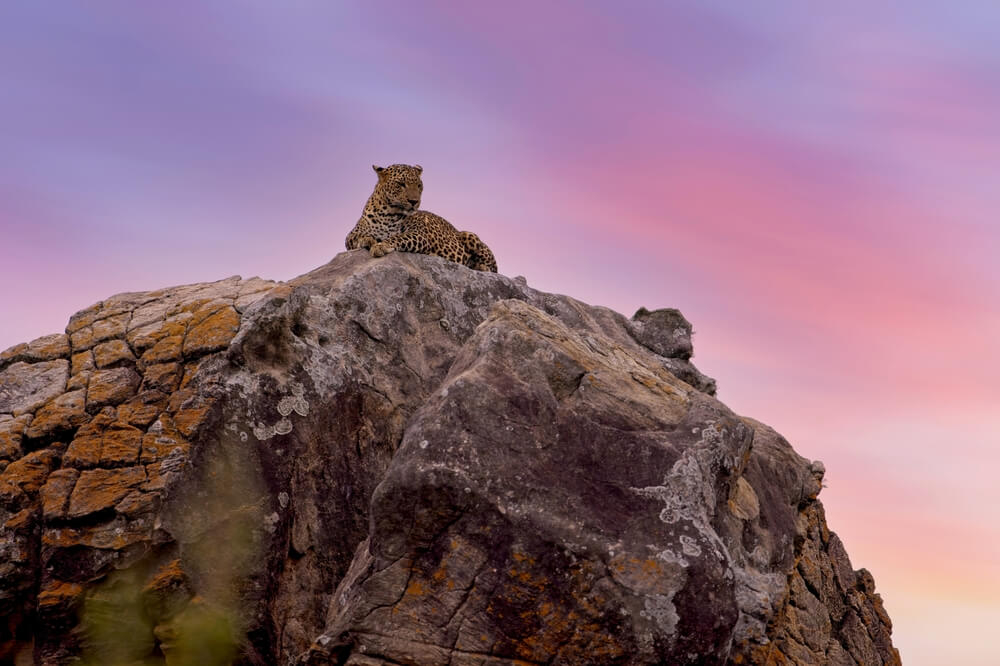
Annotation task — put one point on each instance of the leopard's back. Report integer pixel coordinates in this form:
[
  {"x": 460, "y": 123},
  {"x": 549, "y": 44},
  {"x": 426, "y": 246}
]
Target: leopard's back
[{"x": 392, "y": 221}]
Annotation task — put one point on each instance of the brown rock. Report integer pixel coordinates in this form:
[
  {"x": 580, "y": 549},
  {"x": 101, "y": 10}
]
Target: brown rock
[
  {"x": 59, "y": 597},
  {"x": 820, "y": 618},
  {"x": 80, "y": 381},
  {"x": 85, "y": 449},
  {"x": 116, "y": 534},
  {"x": 184, "y": 398},
  {"x": 107, "y": 326},
  {"x": 142, "y": 338},
  {"x": 110, "y": 327},
  {"x": 112, "y": 353},
  {"x": 212, "y": 334},
  {"x": 157, "y": 447},
  {"x": 100, "y": 489},
  {"x": 56, "y": 491},
  {"x": 104, "y": 442},
  {"x": 83, "y": 318},
  {"x": 137, "y": 502},
  {"x": 82, "y": 339},
  {"x": 162, "y": 438},
  {"x": 167, "y": 591},
  {"x": 167, "y": 349},
  {"x": 49, "y": 347},
  {"x": 83, "y": 361},
  {"x": 161, "y": 377},
  {"x": 28, "y": 474},
  {"x": 111, "y": 387},
  {"x": 139, "y": 413},
  {"x": 64, "y": 413},
  {"x": 188, "y": 421},
  {"x": 121, "y": 445},
  {"x": 11, "y": 432},
  {"x": 45, "y": 348},
  {"x": 13, "y": 354},
  {"x": 20, "y": 522},
  {"x": 152, "y": 313}
]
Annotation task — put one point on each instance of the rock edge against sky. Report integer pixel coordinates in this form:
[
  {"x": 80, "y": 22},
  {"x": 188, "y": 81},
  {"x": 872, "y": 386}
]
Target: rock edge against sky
[{"x": 403, "y": 461}]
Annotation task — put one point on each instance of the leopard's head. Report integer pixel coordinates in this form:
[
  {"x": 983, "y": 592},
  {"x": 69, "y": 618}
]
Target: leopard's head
[{"x": 400, "y": 187}]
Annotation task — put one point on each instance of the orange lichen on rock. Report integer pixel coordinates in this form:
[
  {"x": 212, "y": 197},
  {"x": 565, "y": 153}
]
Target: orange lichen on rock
[
  {"x": 166, "y": 349},
  {"x": 142, "y": 410},
  {"x": 188, "y": 421},
  {"x": 56, "y": 491},
  {"x": 11, "y": 433},
  {"x": 161, "y": 377},
  {"x": 63, "y": 413},
  {"x": 111, "y": 387},
  {"x": 212, "y": 334},
  {"x": 45, "y": 348},
  {"x": 59, "y": 595},
  {"x": 167, "y": 591},
  {"x": 82, "y": 361},
  {"x": 100, "y": 489},
  {"x": 104, "y": 442},
  {"x": 29, "y": 473},
  {"x": 111, "y": 353}
]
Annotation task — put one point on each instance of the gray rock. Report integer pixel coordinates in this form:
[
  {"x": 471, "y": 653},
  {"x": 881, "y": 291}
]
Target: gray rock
[
  {"x": 664, "y": 331},
  {"x": 24, "y": 387},
  {"x": 401, "y": 460}
]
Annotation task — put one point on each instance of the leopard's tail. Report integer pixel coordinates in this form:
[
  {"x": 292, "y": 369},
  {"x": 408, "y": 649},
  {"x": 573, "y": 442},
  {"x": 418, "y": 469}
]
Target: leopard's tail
[{"x": 480, "y": 257}]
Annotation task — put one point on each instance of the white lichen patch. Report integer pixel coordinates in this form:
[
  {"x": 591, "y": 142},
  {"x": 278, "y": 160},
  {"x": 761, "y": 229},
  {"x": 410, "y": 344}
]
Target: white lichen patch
[
  {"x": 294, "y": 402},
  {"x": 286, "y": 404},
  {"x": 271, "y": 522},
  {"x": 670, "y": 557},
  {"x": 661, "y": 610},
  {"x": 263, "y": 432},
  {"x": 687, "y": 493},
  {"x": 690, "y": 546}
]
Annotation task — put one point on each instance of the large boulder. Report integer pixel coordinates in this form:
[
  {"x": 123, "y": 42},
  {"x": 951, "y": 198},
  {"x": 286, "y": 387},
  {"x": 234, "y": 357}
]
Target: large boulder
[{"x": 401, "y": 460}]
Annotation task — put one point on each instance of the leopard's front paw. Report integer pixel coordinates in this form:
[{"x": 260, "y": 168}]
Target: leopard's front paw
[
  {"x": 381, "y": 249},
  {"x": 365, "y": 242}
]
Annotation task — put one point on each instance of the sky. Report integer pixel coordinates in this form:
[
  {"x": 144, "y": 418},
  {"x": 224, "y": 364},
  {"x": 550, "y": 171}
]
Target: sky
[{"x": 813, "y": 186}]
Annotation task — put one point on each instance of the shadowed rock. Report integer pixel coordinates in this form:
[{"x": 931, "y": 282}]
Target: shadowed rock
[{"x": 402, "y": 460}]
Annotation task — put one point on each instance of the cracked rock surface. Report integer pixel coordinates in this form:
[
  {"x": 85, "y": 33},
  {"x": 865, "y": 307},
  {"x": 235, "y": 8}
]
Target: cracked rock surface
[{"x": 403, "y": 461}]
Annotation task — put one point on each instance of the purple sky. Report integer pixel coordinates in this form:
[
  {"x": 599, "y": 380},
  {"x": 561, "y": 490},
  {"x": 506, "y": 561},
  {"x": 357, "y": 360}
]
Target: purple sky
[{"x": 814, "y": 188}]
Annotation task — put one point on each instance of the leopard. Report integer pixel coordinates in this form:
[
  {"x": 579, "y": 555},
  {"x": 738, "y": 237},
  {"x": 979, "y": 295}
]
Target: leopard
[{"x": 392, "y": 221}]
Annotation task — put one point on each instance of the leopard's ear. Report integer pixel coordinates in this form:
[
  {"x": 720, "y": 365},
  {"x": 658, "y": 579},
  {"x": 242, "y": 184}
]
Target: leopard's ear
[
  {"x": 419, "y": 168},
  {"x": 378, "y": 169}
]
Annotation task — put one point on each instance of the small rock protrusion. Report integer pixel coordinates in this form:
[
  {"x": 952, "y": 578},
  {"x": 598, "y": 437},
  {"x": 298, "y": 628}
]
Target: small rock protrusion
[{"x": 665, "y": 331}]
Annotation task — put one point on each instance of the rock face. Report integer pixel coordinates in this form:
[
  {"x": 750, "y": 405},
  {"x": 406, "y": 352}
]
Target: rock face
[{"x": 401, "y": 460}]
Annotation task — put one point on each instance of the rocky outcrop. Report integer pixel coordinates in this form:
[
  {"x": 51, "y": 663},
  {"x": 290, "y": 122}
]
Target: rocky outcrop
[{"x": 403, "y": 461}]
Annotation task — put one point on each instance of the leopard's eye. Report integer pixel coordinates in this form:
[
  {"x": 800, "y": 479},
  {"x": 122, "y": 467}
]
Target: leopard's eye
[{"x": 400, "y": 183}]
